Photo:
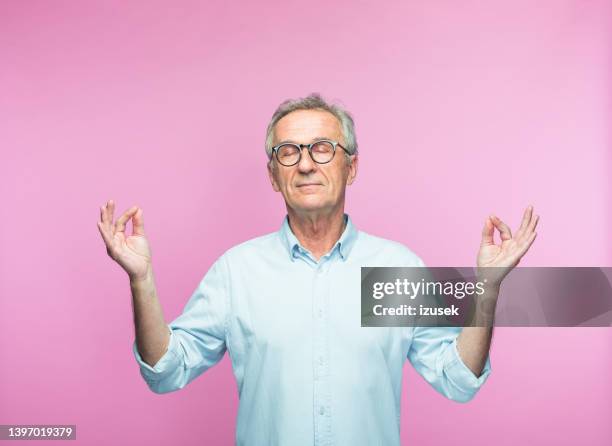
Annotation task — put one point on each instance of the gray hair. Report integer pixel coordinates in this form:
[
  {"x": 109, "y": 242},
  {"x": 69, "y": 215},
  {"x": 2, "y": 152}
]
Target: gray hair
[{"x": 314, "y": 101}]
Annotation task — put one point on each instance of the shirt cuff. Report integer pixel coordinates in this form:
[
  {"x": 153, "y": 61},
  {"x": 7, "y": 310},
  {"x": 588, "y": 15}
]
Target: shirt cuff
[
  {"x": 461, "y": 376},
  {"x": 164, "y": 366}
]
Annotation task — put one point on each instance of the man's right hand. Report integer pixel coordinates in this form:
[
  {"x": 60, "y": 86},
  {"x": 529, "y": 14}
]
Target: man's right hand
[{"x": 131, "y": 252}]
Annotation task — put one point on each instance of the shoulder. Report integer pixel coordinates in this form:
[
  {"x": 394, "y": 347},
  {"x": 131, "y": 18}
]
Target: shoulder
[
  {"x": 253, "y": 248},
  {"x": 392, "y": 252}
]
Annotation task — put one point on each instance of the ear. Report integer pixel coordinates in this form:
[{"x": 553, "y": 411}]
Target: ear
[
  {"x": 271, "y": 172},
  {"x": 352, "y": 169}
]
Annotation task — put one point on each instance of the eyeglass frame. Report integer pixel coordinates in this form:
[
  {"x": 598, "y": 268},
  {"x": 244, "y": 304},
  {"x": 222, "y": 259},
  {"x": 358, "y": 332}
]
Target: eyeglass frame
[{"x": 309, "y": 147}]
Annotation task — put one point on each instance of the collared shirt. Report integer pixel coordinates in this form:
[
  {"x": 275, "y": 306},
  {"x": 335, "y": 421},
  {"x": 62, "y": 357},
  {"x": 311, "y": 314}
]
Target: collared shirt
[{"x": 307, "y": 372}]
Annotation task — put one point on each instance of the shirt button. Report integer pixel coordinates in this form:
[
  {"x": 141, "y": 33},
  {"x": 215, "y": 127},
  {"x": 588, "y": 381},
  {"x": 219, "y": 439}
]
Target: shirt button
[{"x": 321, "y": 410}]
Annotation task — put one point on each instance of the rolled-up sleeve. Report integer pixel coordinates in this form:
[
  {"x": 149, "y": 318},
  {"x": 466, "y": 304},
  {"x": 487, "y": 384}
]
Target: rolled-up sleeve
[
  {"x": 435, "y": 357},
  {"x": 197, "y": 336}
]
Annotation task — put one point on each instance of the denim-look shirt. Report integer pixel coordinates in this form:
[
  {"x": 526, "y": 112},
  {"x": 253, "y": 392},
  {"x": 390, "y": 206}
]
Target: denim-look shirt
[{"x": 307, "y": 372}]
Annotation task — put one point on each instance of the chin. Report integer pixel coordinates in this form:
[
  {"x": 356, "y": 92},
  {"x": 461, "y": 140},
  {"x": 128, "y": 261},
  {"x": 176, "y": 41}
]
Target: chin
[{"x": 310, "y": 204}]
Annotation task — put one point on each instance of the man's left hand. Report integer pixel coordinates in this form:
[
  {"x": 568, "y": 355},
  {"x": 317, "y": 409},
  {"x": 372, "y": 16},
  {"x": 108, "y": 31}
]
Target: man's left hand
[{"x": 508, "y": 254}]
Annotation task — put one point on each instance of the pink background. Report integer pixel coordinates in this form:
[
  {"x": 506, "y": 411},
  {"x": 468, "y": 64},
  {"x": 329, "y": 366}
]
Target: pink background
[{"x": 462, "y": 109}]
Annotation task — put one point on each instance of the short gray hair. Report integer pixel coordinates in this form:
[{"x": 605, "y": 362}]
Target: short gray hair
[{"x": 314, "y": 101}]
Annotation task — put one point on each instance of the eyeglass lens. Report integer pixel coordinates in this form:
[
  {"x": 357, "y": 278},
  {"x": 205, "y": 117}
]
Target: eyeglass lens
[{"x": 321, "y": 152}]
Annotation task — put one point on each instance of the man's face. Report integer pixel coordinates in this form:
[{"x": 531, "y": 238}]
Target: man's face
[{"x": 309, "y": 186}]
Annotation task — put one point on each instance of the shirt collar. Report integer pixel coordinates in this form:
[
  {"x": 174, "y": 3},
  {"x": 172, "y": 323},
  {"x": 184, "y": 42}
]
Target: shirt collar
[{"x": 344, "y": 243}]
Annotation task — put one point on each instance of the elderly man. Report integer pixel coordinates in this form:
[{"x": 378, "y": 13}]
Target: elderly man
[{"x": 286, "y": 305}]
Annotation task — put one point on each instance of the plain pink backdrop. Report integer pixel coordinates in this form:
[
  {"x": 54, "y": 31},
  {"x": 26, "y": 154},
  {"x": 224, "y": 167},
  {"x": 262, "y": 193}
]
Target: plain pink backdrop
[{"x": 462, "y": 109}]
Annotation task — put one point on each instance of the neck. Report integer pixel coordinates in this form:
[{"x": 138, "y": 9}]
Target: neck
[{"x": 317, "y": 232}]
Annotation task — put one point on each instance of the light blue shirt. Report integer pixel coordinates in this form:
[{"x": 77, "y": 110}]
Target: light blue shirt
[{"x": 307, "y": 372}]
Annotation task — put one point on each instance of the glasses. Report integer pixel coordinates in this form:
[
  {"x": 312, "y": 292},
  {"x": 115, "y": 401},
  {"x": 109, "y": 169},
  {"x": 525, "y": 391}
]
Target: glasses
[{"x": 321, "y": 152}]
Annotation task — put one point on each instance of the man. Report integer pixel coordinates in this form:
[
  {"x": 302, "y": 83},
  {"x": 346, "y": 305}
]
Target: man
[{"x": 286, "y": 306}]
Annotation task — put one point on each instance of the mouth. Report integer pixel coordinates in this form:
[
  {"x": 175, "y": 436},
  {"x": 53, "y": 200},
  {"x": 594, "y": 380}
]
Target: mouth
[{"x": 309, "y": 184}]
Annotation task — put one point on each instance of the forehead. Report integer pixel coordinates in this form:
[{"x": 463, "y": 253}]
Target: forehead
[{"x": 304, "y": 125}]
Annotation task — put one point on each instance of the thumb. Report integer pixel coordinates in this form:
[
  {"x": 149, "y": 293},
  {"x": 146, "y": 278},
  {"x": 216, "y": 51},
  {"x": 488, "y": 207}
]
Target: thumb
[{"x": 138, "y": 223}]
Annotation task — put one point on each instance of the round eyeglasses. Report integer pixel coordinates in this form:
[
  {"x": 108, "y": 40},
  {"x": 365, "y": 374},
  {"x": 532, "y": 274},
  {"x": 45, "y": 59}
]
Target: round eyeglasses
[{"x": 321, "y": 152}]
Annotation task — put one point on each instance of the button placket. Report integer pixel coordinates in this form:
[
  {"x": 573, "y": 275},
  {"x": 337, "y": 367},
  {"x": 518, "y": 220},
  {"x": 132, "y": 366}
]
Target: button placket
[{"x": 320, "y": 357}]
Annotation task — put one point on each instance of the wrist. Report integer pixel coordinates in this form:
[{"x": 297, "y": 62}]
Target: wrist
[{"x": 141, "y": 279}]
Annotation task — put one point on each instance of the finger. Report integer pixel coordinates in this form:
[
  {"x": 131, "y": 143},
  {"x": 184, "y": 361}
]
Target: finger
[
  {"x": 533, "y": 223},
  {"x": 121, "y": 221},
  {"x": 530, "y": 229},
  {"x": 105, "y": 236},
  {"x": 487, "y": 233},
  {"x": 110, "y": 215},
  {"x": 504, "y": 230},
  {"x": 526, "y": 219},
  {"x": 106, "y": 217},
  {"x": 524, "y": 247},
  {"x": 106, "y": 223},
  {"x": 138, "y": 223}
]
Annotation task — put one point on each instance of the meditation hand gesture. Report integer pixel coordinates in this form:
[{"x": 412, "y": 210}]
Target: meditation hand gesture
[
  {"x": 502, "y": 258},
  {"x": 131, "y": 252}
]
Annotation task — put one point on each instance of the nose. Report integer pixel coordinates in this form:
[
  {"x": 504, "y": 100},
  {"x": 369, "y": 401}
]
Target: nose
[{"x": 306, "y": 163}]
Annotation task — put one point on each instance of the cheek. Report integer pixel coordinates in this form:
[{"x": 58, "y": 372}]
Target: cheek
[
  {"x": 281, "y": 180},
  {"x": 289, "y": 190},
  {"x": 338, "y": 181}
]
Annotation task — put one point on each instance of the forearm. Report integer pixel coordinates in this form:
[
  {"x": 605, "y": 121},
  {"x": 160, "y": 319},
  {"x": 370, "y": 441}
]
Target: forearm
[
  {"x": 152, "y": 336},
  {"x": 474, "y": 342}
]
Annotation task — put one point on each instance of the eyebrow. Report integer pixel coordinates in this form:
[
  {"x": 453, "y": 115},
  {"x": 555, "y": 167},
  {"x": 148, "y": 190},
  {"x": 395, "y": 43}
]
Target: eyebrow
[{"x": 316, "y": 138}]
